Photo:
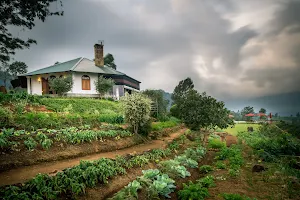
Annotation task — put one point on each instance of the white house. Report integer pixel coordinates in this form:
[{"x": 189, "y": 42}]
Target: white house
[{"x": 84, "y": 73}]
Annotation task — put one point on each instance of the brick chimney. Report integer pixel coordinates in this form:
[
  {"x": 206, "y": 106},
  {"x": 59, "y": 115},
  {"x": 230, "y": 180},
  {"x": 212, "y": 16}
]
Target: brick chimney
[{"x": 99, "y": 60}]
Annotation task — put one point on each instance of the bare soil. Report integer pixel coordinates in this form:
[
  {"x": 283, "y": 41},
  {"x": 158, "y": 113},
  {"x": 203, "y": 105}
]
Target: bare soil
[{"x": 25, "y": 173}]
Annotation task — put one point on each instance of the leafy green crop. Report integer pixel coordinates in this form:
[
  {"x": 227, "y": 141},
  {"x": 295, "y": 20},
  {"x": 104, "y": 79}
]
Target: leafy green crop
[
  {"x": 188, "y": 162},
  {"x": 30, "y": 143},
  {"x": 150, "y": 173},
  {"x": 216, "y": 144},
  {"x": 220, "y": 165},
  {"x": 164, "y": 185},
  {"x": 207, "y": 181},
  {"x": 195, "y": 154},
  {"x": 173, "y": 169},
  {"x": 206, "y": 168},
  {"x": 193, "y": 192}
]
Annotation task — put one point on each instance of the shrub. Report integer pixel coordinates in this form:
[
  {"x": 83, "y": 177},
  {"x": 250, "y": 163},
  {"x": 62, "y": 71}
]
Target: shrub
[
  {"x": 193, "y": 192},
  {"x": 5, "y": 117},
  {"x": 103, "y": 85},
  {"x": 137, "y": 109},
  {"x": 216, "y": 144},
  {"x": 206, "y": 168},
  {"x": 61, "y": 85}
]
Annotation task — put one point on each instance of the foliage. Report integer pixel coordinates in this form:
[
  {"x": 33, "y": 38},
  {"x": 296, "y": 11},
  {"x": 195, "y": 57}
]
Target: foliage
[
  {"x": 206, "y": 168},
  {"x": 5, "y": 116},
  {"x": 21, "y": 14},
  {"x": 109, "y": 61},
  {"x": 157, "y": 96},
  {"x": 292, "y": 128},
  {"x": 207, "y": 181},
  {"x": 263, "y": 110},
  {"x": 220, "y": 165},
  {"x": 164, "y": 185},
  {"x": 193, "y": 192},
  {"x": 61, "y": 85},
  {"x": 103, "y": 85},
  {"x": 161, "y": 125},
  {"x": 175, "y": 112},
  {"x": 30, "y": 143},
  {"x": 195, "y": 154},
  {"x": 269, "y": 142},
  {"x": 173, "y": 169},
  {"x": 136, "y": 109},
  {"x": 150, "y": 173},
  {"x": 247, "y": 110},
  {"x": 181, "y": 90},
  {"x": 227, "y": 196},
  {"x": 188, "y": 162},
  {"x": 17, "y": 68},
  {"x": 216, "y": 143}
]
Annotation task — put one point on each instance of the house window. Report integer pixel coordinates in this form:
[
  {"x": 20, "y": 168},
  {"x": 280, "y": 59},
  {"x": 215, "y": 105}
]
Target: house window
[{"x": 86, "y": 82}]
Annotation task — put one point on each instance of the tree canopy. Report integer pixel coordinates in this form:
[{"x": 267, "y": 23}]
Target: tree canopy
[
  {"x": 23, "y": 14},
  {"x": 247, "y": 110},
  {"x": 109, "y": 61},
  {"x": 199, "y": 110},
  {"x": 263, "y": 110}
]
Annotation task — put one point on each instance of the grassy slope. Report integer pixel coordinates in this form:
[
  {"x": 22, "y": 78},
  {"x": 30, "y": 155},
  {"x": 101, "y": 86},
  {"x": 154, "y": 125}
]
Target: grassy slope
[
  {"x": 82, "y": 105},
  {"x": 239, "y": 127}
]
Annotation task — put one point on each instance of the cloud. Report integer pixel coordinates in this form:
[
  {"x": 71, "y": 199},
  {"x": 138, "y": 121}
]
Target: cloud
[{"x": 229, "y": 48}]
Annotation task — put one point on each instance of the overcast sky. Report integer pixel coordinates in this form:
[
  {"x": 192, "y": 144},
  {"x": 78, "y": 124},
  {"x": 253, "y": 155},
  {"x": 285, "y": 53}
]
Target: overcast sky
[{"x": 230, "y": 48}]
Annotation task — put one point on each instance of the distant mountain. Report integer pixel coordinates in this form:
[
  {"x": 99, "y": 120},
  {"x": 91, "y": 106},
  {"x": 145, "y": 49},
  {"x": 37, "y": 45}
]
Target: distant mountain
[{"x": 283, "y": 104}]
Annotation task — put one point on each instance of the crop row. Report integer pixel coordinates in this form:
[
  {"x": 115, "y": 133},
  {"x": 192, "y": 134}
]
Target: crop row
[
  {"x": 72, "y": 182},
  {"x": 12, "y": 140},
  {"x": 161, "y": 182}
]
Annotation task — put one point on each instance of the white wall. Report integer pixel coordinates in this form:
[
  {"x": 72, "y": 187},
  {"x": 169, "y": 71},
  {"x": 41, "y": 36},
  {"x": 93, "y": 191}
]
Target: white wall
[
  {"x": 36, "y": 85},
  {"x": 77, "y": 87}
]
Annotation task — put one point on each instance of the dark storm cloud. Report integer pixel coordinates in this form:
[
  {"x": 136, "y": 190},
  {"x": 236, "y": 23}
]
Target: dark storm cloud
[{"x": 163, "y": 42}]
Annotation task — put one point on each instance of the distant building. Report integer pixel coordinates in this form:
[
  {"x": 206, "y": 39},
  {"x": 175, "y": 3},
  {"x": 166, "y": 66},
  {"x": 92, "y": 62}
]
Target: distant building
[{"x": 84, "y": 72}]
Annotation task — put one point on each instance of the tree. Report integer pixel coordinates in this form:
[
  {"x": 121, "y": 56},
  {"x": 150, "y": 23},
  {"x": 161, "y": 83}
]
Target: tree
[
  {"x": 181, "y": 90},
  {"x": 263, "y": 110},
  {"x": 4, "y": 73},
  {"x": 298, "y": 114},
  {"x": 61, "y": 85},
  {"x": 276, "y": 115},
  {"x": 24, "y": 14},
  {"x": 247, "y": 110},
  {"x": 158, "y": 96},
  {"x": 109, "y": 61},
  {"x": 17, "y": 68},
  {"x": 103, "y": 85},
  {"x": 137, "y": 108}
]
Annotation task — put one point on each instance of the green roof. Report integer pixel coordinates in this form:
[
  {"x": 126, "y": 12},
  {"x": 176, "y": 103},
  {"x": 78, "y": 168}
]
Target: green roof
[
  {"x": 60, "y": 67},
  {"x": 77, "y": 66}
]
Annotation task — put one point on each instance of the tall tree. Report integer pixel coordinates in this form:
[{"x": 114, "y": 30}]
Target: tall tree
[
  {"x": 298, "y": 114},
  {"x": 23, "y": 14},
  {"x": 182, "y": 89},
  {"x": 103, "y": 85},
  {"x": 109, "y": 61}
]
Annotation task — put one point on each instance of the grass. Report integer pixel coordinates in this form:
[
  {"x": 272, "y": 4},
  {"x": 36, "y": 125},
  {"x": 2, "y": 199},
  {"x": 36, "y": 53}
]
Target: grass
[{"x": 239, "y": 128}]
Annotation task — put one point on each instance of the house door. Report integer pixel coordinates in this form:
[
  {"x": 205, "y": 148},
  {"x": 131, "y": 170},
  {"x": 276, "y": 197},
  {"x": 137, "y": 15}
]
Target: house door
[{"x": 45, "y": 86}]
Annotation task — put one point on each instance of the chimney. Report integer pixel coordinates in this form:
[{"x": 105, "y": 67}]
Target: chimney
[{"x": 99, "y": 60}]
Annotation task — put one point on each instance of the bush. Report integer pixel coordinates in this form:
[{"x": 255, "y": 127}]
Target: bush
[
  {"x": 137, "y": 108},
  {"x": 5, "y": 117},
  {"x": 193, "y": 192},
  {"x": 206, "y": 168},
  {"x": 61, "y": 85},
  {"x": 216, "y": 144}
]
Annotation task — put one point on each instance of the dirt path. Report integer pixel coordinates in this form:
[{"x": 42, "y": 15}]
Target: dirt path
[{"x": 25, "y": 173}]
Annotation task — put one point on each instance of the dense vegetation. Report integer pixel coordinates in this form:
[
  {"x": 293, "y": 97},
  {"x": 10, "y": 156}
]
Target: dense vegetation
[{"x": 13, "y": 140}]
